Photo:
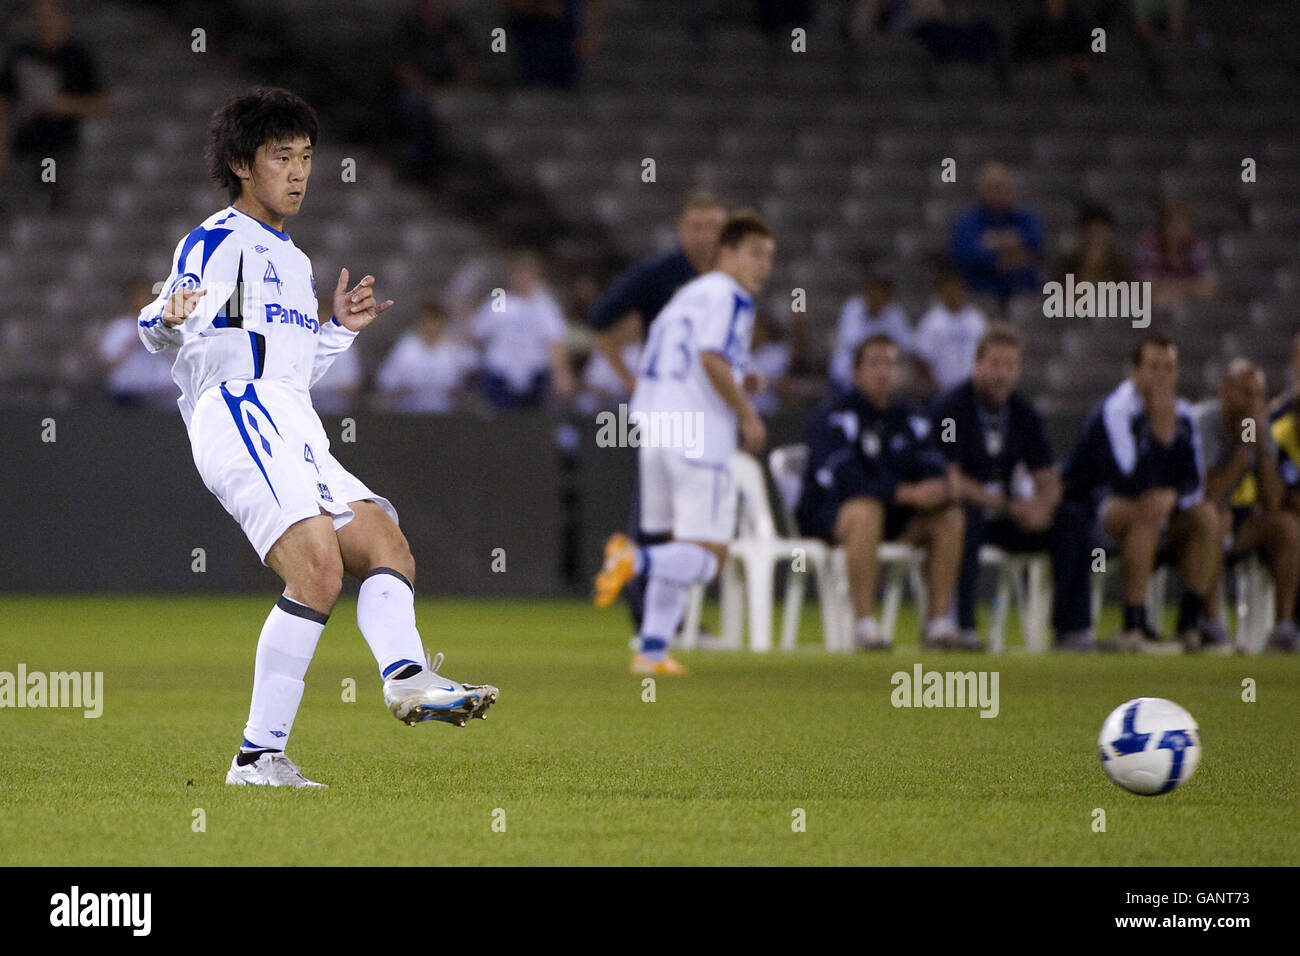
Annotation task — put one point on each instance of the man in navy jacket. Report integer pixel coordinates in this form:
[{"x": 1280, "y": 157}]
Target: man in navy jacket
[
  {"x": 1001, "y": 462},
  {"x": 1137, "y": 464},
  {"x": 874, "y": 474}
]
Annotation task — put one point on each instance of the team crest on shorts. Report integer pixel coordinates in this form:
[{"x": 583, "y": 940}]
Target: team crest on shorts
[{"x": 323, "y": 490}]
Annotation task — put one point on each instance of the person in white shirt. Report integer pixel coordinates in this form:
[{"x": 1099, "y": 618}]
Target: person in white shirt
[
  {"x": 426, "y": 369},
  {"x": 948, "y": 335},
  {"x": 240, "y": 304},
  {"x": 873, "y": 312},
  {"x": 691, "y": 395},
  {"x": 522, "y": 332},
  {"x": 134, "y": 377}
]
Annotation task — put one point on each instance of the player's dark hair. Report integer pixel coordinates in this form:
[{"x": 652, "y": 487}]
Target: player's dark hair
[
  {"x": 875, "y": 338},
  {"x": 742, "y": 224},
  {"x": 998, "y": 333},
  {"x": 1156, "y": 339},
  {"x": 248, "y": 122}
]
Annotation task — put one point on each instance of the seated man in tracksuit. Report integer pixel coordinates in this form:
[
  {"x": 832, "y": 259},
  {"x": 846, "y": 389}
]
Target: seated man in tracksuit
[
  {"x": 1138, "y": 464},
  {"x": 874, "y": 474},
  {"x": 1001, "y": 463}
]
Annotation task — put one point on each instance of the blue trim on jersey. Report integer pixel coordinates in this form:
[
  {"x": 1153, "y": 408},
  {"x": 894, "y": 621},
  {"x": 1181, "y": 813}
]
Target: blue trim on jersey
[
  {"x": 282, "y": 236},
  {"x": 233, "y": 403},
  {"x": 739, "y": 304},
  {"x": 150, "y": 323},
  {"x": 210, "y": 238}
]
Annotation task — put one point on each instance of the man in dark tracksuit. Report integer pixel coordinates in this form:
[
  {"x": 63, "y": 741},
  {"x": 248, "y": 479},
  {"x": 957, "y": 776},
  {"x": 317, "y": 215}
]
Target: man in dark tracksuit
[
  {"x": 1001, "y": 463},
  {"x": 640, "y": 293},
  {"x": 874, "y": 474},
  {"x": 1137, "y": 465}
]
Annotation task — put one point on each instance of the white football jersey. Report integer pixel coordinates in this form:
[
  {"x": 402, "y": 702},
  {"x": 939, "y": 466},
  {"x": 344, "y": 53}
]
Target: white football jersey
[
  {"x": 258, "y": 319},
  {"x": 709, "y": 314}
]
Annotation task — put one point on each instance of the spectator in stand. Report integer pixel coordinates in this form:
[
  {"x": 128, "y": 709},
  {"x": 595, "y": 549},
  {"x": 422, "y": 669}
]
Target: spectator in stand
[
  {"x": 873, "y": 311},
  {"x": 48, "y": 85},
  {"x": 552, "y": 37},
  {"x": 948, "y": 336},
  {"x": 427, "y": 368},
  {"x": 1175, "y": 258},
  {"x": 997, "y": 246},
  {"x": 1162, "y": 25},
  {"x": 951, "y": 34},
  {"x": 1056, "y": 30},
  {"x": 134, "y": 377},
  {"x": 1095, "y": 257},
  {"x": 522, "y": 332},
  {"x": 1244, "y": 483},
  {"x": 433, "y": 50}
]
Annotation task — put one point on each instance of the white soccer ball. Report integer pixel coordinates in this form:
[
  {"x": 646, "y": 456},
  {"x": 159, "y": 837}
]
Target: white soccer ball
[{"x": 1149, "y": 745}]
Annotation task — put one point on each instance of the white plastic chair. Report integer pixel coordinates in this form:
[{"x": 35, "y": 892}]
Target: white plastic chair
[
  {"x": 900, "y": 564},
  {"x": 1026, "y": 580},
  {"x": 749, "y": 573},
  {"x": 1255, "y": 608}
]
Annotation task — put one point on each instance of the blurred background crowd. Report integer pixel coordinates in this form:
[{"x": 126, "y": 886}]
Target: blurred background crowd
[{"x": 502, "y": 146}]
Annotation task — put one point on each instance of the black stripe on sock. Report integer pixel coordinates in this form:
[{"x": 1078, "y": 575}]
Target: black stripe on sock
[
  {"x": 301, "y": 610},
  {"x": 397, "y": 574}
]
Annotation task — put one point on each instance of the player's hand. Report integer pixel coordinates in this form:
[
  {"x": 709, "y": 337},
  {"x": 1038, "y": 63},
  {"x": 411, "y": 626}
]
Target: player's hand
[
  {"x": 1031, "y": 514},
  {"x": 753, "y": 432},
  {"x": 993, "y": 501},
  {"x": 929, "y": 493},
  {"x": 180, "y": 305},
  {"x": 754, "y": 383},
  {"x": 356, "y": 308}
]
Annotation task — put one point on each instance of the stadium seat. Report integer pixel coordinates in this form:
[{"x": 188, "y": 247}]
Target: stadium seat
[
  {"x": 900, "y": 563},
  {"x": 748, "y": 575},
  {"x": 1026, "y": 581}
]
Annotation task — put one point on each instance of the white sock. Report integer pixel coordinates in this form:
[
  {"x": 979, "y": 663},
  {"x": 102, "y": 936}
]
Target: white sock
[
  {"x": 680, "y": 561},
  {"x": 672, "y": 568},
  {"x": 284, "y": 650},
  {"x": 386, "y": 616},
  {"x": 665, "y": 603}
]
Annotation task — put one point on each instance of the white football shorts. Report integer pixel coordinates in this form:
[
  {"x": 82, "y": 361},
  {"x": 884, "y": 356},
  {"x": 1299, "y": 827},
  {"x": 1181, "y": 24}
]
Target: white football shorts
[
  {"x": 261, "y": 449},
  {"x": 695, "y": 500}
]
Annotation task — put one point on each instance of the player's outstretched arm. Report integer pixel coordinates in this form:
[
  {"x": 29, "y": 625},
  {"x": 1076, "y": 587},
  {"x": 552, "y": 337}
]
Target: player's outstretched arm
[
  {"x": 356, "y": 308},
  {"x": 752, "y": 430}
]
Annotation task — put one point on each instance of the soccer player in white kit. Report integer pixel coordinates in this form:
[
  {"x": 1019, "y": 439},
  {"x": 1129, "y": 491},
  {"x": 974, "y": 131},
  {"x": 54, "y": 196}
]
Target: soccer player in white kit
[
  {"x": 691, "y": 396},
  {"x": 240, "y": 305}
]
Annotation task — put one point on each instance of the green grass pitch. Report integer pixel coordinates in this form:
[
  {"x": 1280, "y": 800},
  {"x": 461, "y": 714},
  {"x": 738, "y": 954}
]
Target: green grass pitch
[{"x": 587, "y": 772}]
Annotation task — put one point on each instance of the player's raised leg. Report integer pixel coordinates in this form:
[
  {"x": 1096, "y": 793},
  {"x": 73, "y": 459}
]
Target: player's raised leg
[
  {"x": 307, "y": 558},
  {"x": 669, "y": 571},
  {"x": 375, "y": 551}
]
